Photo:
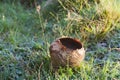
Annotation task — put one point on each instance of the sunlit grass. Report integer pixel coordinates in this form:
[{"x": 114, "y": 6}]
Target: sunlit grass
[
  {"x": 91, "y": 18},
  {"x": 112, "y": 8},
  {"x": 25, "y": 37}
]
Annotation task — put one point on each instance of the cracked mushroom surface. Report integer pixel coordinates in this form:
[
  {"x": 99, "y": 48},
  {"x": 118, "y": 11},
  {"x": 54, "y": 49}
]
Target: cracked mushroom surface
[{"x": 66, "y": 52}]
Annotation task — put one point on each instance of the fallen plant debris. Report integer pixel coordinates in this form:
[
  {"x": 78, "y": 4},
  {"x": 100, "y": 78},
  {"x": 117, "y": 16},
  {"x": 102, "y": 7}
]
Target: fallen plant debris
[{"x": 117, "y": 49}]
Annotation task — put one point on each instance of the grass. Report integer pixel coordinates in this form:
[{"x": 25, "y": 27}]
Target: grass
[{"x": 25, "y": 37}]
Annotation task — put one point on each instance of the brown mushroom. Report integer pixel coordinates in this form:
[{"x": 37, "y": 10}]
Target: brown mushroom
[{"x": 66, "y": 52}]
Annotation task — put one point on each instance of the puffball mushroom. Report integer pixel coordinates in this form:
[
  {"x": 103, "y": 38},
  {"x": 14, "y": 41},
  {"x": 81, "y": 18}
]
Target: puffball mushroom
[{"x": 66, "y": 52}]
